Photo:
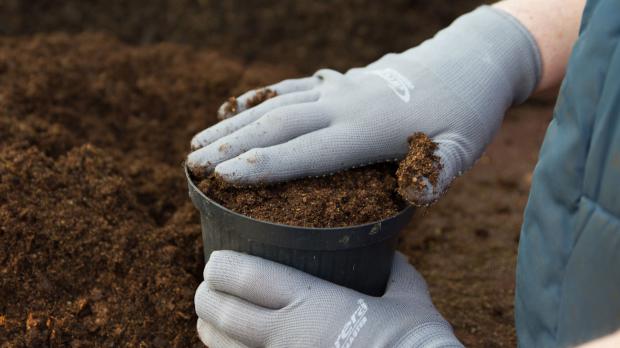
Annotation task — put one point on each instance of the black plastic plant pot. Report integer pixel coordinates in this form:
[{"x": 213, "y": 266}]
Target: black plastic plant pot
[{"x": 358, "y": 257}]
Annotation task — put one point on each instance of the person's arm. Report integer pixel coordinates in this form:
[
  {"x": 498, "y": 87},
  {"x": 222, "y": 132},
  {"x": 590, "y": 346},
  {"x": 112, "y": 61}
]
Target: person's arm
[
  {"x": 554, "y": 24},
  {"x": 611, "y": 341}
]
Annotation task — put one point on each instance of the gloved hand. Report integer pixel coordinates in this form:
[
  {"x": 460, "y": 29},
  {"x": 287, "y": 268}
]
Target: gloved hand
[
  {"x": 455, "y": 88},
  {"x": 246, "y": 301}
]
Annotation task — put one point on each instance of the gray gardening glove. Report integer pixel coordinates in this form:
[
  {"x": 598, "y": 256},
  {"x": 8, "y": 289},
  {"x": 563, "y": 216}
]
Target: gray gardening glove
[
  {"x": 454, "y": 87},
  {"x": 246, "y": 301}
]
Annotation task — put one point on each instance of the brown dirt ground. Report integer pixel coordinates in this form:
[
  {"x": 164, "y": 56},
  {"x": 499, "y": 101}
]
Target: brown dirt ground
[
  {"x": 99, "y": 245},
  {"x": 307, "y": 34}
]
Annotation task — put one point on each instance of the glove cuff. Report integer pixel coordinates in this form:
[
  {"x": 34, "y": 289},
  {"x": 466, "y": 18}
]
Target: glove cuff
[
  {"x": 430, "y": 335},
  {"x": 487, "y": 58},
  {"x": 527, "y": 61},
  {"x": 485, "y": 53}
]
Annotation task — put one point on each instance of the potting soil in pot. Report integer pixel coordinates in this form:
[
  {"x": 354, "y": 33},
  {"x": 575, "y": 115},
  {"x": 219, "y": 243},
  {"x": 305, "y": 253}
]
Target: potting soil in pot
[{"x": 347, "y": 198}]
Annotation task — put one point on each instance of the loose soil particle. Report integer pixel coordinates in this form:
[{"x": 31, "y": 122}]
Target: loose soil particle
[
  {"x": 420, "y": 167},
  {"x": 351, "y": 197}
]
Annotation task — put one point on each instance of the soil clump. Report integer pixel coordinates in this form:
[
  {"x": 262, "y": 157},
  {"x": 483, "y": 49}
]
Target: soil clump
[
  {"x": 420, "y": 167},
  {"x": 347, "y": 198}
]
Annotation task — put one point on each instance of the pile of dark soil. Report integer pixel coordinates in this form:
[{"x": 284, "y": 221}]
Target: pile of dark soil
[
  {"x": 347, "y": 198},
  {"x": 99, "y": 244},
  {"x": 83, "y": 263},
  {"x": 307, "y": 34}
]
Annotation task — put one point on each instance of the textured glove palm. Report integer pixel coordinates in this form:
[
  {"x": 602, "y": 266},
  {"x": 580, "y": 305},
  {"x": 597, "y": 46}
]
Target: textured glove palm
[{"x": 455, "y": 88}]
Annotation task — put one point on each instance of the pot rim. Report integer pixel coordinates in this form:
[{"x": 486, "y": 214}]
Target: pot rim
[{"x": 405, "y": 210}]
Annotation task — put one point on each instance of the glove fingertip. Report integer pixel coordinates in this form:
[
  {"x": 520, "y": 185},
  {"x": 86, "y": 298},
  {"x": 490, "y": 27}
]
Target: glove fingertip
[
  {"x": 200, "y": 299},
  {"x": 229, "y": 173},
  {"x": 420, "y": 195},
  {"x": 203, "y": 330},
  {"x": 220, "y": 260},
  {"x": 195, "y": 143},
  {"x": 245, "y": 169},
  {"x": 400, "y": 257},
  {"x": 424, "y": 174},
  {"x": 218, "y": 255},
  {"x": 197, "y": 164}
]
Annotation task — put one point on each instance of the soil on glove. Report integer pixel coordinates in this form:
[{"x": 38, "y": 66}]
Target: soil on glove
[
  {"x": 231, "y": 106},
  {"x": 260, "y": 96},
  {"x": 348, "y": 198},
  {"x": 420, "y": 167}
]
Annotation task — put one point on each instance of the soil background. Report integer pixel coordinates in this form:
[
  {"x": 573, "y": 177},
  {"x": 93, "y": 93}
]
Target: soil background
[
  {"x": 305, "y": 34},
  {"x": 99, "y": 244}
]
